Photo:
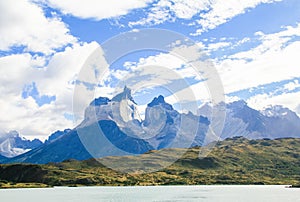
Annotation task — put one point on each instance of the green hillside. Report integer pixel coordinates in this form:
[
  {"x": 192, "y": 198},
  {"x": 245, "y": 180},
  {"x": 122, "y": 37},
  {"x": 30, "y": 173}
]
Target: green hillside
[{"x": 233, "y": 161}]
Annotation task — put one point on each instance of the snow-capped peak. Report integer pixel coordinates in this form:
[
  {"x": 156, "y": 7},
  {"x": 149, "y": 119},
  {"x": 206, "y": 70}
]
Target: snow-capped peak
[
  {"x": 279, "y": 111},
  {"x": 121, "y": 109},
  {"x": 124, "y": 95},
  {"x": 12, "y": 144}
]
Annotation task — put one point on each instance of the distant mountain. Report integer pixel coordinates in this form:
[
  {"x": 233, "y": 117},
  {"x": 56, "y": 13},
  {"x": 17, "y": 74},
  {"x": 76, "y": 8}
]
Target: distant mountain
[
  {"x": 12, "y": 144},
  {"x": 122, "y": 128},
  {"x": 241, "y": 120},
  {"x": 113, "y": 127},
  {"x": 68, "y": 146},
  {"x": 56, "y": 135},
  {"x": 167, "y": 128},
  {"x": 163, "y": 126},
  {"x": 3, "y": 158}
]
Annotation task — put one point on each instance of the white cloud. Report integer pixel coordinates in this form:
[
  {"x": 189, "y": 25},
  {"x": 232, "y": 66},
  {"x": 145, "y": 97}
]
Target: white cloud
[
  {"x": 157, "y": 15},
  {"x": 292, "y": 85},
  {"x": 230, "y": 99},
  {"x": 289, "y": 100},
  {"x": 275, "y": 59},
  {"x": 221, "y": 11},
  {"x": 208, "y": 14},
  {"x": 160, "y": 67},
  {"x": 159, "y": 12},
  {"x": 30, "y": 120},
  {"x": 186, "y": 9},
  {"x": 218, "y": 46},
  {"x": 97, "y": 9},
  {"x": 169, "y": 10},
  {"x": 162, "y": 59},
  {"x": 200, "y": 91},
  {"x": 175, "y": 71},
  {"x": 24, "y": 115},
  {"x": 297, "y": 110},
  {"x": 23, "y": 23}
]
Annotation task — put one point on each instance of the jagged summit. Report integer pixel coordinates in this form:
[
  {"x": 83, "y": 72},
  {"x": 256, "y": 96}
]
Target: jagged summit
[
  {"x": 56, "y": 135},
  {"x": 279, "y": 111},
  {"x": 121, "y": 109},
  {"x": 156, "y": 101},
  {"x": 238, "y": 104},
  {"x": 126, "y": 94},
  {"x": 100, "y": 101},
  {"x": 160, "y": 100},
  {"x": 163, "y": 127},
  {"x": 12, "y": 144}
]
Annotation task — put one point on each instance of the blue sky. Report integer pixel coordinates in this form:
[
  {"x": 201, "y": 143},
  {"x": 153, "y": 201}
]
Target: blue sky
[{"x": 44, "y": 44}]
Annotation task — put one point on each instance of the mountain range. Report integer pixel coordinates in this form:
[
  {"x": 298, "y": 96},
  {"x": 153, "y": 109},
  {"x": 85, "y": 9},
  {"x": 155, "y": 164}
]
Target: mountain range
[
  {"x": 241, "y": 120},
  {"x": 113, "y": 127},
  {"x": 12, "y": 144}
]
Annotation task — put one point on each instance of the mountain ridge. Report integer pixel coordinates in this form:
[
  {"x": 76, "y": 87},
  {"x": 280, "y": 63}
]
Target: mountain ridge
[
  {"x": 12, "y": 144},
  {"x": 241, "y": 120},
  {"x": 163, "y": 127},
  {"x": 232, "y": 161}
]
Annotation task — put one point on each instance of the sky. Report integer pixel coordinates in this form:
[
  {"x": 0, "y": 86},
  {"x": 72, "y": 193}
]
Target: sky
[{"x": 253, "y": 45}]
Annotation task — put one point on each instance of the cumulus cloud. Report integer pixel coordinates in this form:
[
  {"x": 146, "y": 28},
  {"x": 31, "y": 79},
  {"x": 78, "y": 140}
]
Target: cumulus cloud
[
  {"x": 97, "y": 9},
  {"x": 26, "y": 115},
  {"x": 218, "y": 46},
  {"x": 32, "y": 121},
  {"x": 292, "y": 85},
  {"x": 275, "y": 59},
  {"x": 207, "y": 14},
  {"x": 23, "y": 24},
  {"x": 164, "y": 70},
  {"x": 183, "y": 72},
  {"x": 169, "y": 10},
  {"x": 222, "y": 11},
  {"x": 164, "y": 64},
  {"x": 289, "y": 100}
]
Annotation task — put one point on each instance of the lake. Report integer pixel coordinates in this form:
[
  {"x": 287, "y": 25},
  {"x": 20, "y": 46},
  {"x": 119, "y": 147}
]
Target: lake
[{"x": 228, "y": 193}]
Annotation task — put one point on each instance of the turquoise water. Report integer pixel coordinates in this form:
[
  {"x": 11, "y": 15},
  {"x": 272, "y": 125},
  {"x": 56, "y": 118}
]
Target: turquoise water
[{"x": 157, "y": 194}]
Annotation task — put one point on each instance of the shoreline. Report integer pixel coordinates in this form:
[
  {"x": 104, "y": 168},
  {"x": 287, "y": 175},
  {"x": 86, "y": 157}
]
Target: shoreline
[{"x": 34, "y": 186}]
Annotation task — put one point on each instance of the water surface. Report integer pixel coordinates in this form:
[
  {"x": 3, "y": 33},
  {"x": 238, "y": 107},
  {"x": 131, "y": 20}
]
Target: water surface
[{"x": 154, "y": 193}]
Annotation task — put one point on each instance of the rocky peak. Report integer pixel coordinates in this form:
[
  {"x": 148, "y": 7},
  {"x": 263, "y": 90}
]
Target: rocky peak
[
  {"x": 100, "y": 101},
  {"x": 238, "y": 104},
  {"x": 160, "y": 100},
  {"x": 125, "y": 95},
  {"x": 279, "y": 111}
]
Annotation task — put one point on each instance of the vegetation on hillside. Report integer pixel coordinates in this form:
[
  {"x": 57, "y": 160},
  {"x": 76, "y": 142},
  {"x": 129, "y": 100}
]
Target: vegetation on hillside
[{"x": 232, "y": 161}]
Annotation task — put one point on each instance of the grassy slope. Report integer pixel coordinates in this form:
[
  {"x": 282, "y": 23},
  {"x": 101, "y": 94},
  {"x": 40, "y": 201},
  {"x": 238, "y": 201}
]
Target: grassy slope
[{"x": 233, "y": 161}]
